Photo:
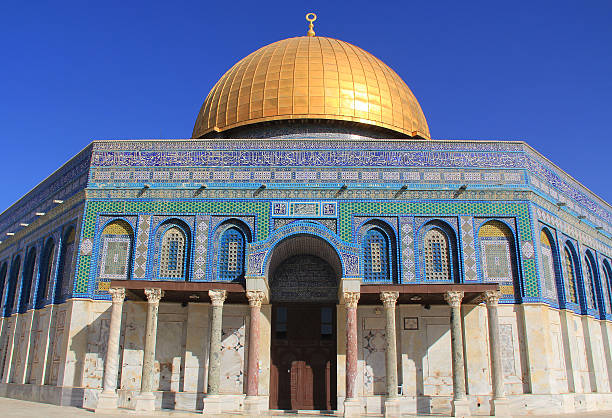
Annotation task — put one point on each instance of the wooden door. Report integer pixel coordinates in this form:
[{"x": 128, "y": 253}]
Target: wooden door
[{"x": 303, "y": 372}]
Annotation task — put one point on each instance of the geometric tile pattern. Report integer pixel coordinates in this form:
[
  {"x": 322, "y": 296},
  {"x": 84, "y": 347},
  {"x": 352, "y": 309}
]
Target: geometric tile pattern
[
  {"x": 469, "y": 251},
  {"x": 140, "y": 252},
  {"x": 407, "y": 240},
  {"x": 201, "y": 242}
]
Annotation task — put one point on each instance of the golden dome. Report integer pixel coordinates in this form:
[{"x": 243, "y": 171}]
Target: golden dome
[{"x": 311, "y": 77}]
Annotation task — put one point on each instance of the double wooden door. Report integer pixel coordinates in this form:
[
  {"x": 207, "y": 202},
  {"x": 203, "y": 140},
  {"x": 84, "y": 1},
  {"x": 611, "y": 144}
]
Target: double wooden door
[{"x": 303, "y": 354}]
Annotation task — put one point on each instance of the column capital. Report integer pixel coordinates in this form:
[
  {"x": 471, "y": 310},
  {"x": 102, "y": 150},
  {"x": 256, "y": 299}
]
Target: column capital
[
  {"x": 351, "y": 299},
  {"x": 255, "y": 297},
  {"x": 153, "y": 295},
  {"x": 117, "y": 294},
  {"x": 492, "y": 297},
  {"x": 389, "y": 299},
  {"x": 217, "y": 296},
  {"x": 454, "y": 297}
]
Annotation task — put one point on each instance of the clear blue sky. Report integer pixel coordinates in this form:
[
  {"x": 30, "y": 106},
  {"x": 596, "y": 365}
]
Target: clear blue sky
[{"x": 74, "y": 71}]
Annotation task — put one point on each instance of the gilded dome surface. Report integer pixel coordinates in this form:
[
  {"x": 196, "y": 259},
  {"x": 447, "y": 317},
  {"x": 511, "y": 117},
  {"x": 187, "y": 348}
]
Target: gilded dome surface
[{"x": 311, "y": 77}]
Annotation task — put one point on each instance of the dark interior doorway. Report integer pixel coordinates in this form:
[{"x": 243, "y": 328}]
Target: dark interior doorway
[
  {"x": 303, "y": 290},
  {"x": 303, "y": 374}
]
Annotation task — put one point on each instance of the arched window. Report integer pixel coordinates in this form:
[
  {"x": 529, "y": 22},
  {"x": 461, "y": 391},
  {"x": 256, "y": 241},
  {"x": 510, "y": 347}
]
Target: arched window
[
  {"x": 605, "y": 284},
  {"x": 231, "y": 255},
  {"x": 549, "y": 284},
  {"x": 3, "y": 270},
  {"x": 172, "y": 257},
  {"x": 498, "y": 256},
  {"x": 12, "y": 286},
  {"x": 436, "y": 255},
  {"x": 589, "y": 283},
  {"x": 28, "y": 277},
  {"x": 570, "y": 275},
  {"x": 45, "y": 274},
  {"x": 62, "y": 283},
  {"x": 115, "y": 257},
  {"x": 376, "y": 256}
]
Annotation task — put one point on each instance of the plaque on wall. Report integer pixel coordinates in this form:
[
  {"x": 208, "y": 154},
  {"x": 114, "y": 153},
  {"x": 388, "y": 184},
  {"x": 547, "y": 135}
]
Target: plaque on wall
[{"x": 411, "y": 323}]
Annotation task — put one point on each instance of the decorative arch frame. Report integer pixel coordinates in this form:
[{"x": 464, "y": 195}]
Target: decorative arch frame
[
  {"x": 259, "y": 253},
  {"x": 60, "y": 278},
  {"x": 157, "y": 236},
  {"x": 216, "y": 246},
  {"x": 105, "y": 239},
  {"x": 4, "y": 271},
  {"x": 570, "y": 247},
  {"x": 46, "y": 264},
  {"x": 11, "y": 289},
  {"x": 606, "y": 281},
  {"x": 555, "y": 257},
  {"x": 593, "y": 284},
  {"x": 515, "y": 262},
  {"x": 28, "y": 278},
  {"x": 391, "y": 251},
  {"x": 451, "y": 238}
]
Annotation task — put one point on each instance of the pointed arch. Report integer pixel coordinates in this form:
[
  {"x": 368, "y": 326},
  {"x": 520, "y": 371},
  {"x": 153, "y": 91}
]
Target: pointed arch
[
  {"x": 3, "y": 273},
  {"x": 549, "y": 270},
  {"x": 117, "y": 241},
  {"x": 12, "y": 286},
  {"x": 379, "y": 251},
  {"x": 173, "y": 246},
  {"x": 45, "y": 275},
  {"x": 498, "y": 258},
  {"x": 62, "y": 284},
  {"x": 570, "y": 261},
  {"x": 590, "y": 281},
  {"x": 439, "y": 257},
  {"x": 606, "y": 285},
  {"x": 27, "y": 279},
  {"x": 233, "y": 236}
]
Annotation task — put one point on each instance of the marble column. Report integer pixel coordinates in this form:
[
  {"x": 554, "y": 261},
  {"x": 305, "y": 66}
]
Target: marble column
[
  {"x": 352, "y": 404},
  {"x": 252, "y": 404},
  {"x": 499, "y": 403},
  {"x": 146, "y": 398},
  {"x": 108, "y": 398},
  {"x": 460, "y": 405},
  {"x": 392, "y": 406},
  {"x": 212, "y": 402}
]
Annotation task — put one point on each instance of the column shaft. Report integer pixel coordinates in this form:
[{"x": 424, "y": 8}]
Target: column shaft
[
  {"x": 389, "y": 299},
  {"x": 153, "y": 297},
  {"x": 111, "y": 363},
  {"x": 497, "y": 373},
  {"x": 255, "y": 298},
  {"x": 454, "y": 300},
  {"x": 217, "y": 298},
  {"x": 351, "y": 299}
]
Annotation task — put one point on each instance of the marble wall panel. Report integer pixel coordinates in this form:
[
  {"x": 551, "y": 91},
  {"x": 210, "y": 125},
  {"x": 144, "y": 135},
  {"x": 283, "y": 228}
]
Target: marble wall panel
[{"x": 232, "y": 354}]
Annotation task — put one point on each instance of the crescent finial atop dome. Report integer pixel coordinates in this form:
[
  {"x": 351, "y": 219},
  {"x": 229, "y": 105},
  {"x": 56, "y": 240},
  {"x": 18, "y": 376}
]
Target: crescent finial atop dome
[{"x": 311, "y": 17}]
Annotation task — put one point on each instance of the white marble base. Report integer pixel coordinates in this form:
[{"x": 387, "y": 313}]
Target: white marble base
[
  {"x": 392, "y": 408},
  {"x": 254, "y": 405},
  {"x": 352, "y": 408},
  {"x": 500, "y": 407},
  {"x": 145, "y": 402},
  {"x": 213, "y": 404},
  {"x": 460, "y": 408},
  {"x": 107, "y": 401}
]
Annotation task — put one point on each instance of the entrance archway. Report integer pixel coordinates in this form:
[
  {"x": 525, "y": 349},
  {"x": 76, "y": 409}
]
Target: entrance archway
[{"x": 304, "y": 273}]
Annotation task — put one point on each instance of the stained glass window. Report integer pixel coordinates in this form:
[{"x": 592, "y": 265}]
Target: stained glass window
[{"x": 376, "y": 259}]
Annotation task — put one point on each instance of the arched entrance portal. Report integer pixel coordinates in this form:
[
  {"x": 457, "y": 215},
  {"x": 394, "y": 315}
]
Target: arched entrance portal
[{"x": 303, "y": 275}]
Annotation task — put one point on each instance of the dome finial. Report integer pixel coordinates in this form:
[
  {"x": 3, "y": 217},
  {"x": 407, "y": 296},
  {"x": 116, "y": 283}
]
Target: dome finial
[{"x": 311, "y": 17}]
